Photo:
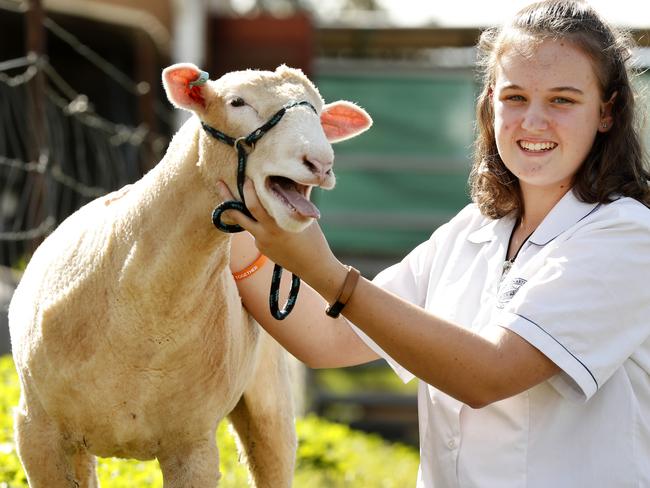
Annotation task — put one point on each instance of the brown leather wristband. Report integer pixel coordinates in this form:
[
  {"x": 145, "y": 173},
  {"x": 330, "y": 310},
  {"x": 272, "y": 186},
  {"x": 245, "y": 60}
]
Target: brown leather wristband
[{"x": 350, "y": 283}]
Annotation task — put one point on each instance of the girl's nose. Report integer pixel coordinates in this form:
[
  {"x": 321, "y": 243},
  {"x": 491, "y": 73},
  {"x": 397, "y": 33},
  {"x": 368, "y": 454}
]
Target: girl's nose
[{"x": 535, "y": 119}]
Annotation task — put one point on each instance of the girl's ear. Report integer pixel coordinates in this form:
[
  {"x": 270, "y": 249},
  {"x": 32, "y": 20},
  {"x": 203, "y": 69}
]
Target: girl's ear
[
  {"x": 185, "y": 86},
  {"x": 342, "y": 120},
  {"x": 606, "y": 117}
]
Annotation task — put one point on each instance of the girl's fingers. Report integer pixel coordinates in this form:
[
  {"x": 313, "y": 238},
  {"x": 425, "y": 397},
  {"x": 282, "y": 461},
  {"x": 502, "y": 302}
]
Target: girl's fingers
[
  {"x": 254, "y": 206},
  {"x": 233, "y": 216},
  {"x": 224, "y": 192},
  {"x": 243, "y": 221}
]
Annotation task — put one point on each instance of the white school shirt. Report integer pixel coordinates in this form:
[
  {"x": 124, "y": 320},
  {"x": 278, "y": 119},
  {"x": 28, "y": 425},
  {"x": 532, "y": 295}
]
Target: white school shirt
[{"x": 579, "y": 291}]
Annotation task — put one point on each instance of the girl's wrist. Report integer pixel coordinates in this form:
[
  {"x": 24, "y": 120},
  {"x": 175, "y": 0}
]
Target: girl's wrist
[
  {"x": 327, "y": 279},
  {"x": 242, "y": 251}
]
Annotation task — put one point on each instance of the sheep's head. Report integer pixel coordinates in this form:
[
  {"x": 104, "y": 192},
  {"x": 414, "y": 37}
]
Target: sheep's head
[{"x": 292, "y": 157}]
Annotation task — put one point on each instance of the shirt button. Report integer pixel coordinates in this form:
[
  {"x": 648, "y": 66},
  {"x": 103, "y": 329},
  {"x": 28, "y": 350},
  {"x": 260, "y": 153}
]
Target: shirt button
[{"x": 451, "y": 444}]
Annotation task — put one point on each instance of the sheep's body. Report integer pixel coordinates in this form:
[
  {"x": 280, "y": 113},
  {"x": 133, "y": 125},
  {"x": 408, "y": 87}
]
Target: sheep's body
[
  {"x": 130, "y": 338},
  {"x": 136, "y": 342}
]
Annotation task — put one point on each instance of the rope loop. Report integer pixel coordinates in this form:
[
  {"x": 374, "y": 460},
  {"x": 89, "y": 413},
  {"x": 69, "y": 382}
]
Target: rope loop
[
  {"x": 274, "y": 296},
  {"x": 221, "y": 208}
]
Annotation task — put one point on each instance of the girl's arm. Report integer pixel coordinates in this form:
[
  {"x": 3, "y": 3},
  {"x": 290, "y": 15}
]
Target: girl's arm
[
  {"x": 476, "y": 369},
  {"x": 311, "y": 336}
]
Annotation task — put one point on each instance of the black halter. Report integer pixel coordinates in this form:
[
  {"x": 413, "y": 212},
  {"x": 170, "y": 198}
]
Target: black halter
[{"x": 242, "y": 156}]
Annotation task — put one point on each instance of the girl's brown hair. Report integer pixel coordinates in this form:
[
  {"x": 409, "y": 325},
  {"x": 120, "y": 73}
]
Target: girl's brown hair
[{"x": 615, "y": 164}]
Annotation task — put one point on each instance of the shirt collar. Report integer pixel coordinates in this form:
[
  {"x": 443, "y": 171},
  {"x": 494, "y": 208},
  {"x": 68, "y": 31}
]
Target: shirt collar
[
  {"x": 567, "y": 212},
  {"x": 492, "y": 230},
  {"x": 563, "y": 215}
]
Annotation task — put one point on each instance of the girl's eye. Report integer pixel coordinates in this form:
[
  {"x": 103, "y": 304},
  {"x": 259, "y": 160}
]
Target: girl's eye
[
  {"x": 515, "y": 98},
  {"x": 561, "y": 100},
  {"x": 237, "y": 102}
]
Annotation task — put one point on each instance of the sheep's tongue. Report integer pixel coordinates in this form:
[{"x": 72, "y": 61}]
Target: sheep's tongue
[{"x": 296, "y": 199}]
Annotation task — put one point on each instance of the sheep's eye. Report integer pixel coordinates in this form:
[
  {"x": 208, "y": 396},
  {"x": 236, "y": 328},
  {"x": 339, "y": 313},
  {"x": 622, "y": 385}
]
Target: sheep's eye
[{"x": 237, "y": 102}]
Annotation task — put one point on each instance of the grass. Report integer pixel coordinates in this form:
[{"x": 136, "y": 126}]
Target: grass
[{"x": 329, "y": 455}]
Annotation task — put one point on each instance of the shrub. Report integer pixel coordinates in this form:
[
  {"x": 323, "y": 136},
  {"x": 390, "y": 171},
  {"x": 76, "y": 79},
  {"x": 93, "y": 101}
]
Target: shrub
[
  {"x": 372, "y": 377},
  {"x": 329, "y": 455}
]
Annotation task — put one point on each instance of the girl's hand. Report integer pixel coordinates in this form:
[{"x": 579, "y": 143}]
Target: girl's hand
[{"x": 306, "y": 254}]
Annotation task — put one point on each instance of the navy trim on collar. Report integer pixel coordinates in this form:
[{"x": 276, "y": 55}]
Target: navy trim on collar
[{"x": 567, "y": 212}]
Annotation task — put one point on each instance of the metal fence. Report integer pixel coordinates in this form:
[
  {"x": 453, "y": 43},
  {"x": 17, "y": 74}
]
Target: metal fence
[{"x": 57, "y": 153}]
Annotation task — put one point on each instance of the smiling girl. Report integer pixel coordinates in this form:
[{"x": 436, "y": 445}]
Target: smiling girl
[{"x": 526, "y": 318}]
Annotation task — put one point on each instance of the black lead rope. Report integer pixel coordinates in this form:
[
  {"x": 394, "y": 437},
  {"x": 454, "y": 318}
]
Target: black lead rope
[{"x": 242, "y": 156}]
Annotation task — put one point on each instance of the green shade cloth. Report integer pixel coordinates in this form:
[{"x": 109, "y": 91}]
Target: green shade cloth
[{"x": 408, "y": 174}]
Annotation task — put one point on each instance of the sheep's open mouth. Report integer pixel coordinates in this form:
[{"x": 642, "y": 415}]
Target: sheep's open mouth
[{"x": 293, "y": 195}]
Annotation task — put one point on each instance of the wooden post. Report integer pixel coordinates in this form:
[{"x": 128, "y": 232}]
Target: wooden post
[
  {"x": 35, "y": 45},
  {"x": 37, "y": 150},
  {"x": 146, "y": 73}
]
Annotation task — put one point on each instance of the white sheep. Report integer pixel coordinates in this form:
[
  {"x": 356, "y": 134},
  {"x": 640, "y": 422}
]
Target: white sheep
[{"x": 127, "y": 331}]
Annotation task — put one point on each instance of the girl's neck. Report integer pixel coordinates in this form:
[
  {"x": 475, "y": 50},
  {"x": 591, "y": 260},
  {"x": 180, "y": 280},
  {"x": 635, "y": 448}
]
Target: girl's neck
[{"x": 537, "y": 203}]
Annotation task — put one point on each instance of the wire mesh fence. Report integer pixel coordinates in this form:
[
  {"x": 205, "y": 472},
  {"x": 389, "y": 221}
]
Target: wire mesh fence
[
  {"x": 83, "y": 157},
  {"x": 51, "y": 167}
]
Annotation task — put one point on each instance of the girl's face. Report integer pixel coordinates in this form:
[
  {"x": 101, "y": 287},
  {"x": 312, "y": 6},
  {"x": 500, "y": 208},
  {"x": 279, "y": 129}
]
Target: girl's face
[{"x": 547, "y": 112}]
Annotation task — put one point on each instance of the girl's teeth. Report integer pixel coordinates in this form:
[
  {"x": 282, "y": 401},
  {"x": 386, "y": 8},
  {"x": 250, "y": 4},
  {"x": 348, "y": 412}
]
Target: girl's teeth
[{"x": 537, "y": 146}]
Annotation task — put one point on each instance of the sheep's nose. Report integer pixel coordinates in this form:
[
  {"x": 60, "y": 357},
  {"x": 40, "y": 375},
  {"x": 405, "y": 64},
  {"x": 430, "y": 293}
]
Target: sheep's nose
[{"x": 317, "y": 167}]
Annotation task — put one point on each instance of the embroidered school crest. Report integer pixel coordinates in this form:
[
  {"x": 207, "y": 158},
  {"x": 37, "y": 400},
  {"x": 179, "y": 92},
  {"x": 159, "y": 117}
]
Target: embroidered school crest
[{"x": 508, "y": 290}]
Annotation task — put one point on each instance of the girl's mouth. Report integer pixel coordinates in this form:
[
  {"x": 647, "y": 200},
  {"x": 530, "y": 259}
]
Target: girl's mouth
[{"x": 537, "y": 147}]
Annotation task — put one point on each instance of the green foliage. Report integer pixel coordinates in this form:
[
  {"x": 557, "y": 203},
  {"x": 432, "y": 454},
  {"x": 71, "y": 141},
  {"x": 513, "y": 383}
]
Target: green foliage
[
  {"x": 329, "y": 455},
  {"x": 11, "y": 473},
  {"x": 333, "y": 455},
  {"x": 366, "y": 378}
]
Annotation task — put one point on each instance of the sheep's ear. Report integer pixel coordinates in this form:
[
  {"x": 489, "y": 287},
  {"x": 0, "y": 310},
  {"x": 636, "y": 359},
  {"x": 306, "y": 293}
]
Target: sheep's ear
[
  {"x": 185, "y": 86},
  {"x": 342, "y": 120}
]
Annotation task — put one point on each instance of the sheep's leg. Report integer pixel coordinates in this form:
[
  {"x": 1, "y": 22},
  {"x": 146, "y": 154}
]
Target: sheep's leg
[
  {"x": 43, "y": 453},
  {"x": 264, "y": 421},
  {"x": 193, "y": 465}
]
